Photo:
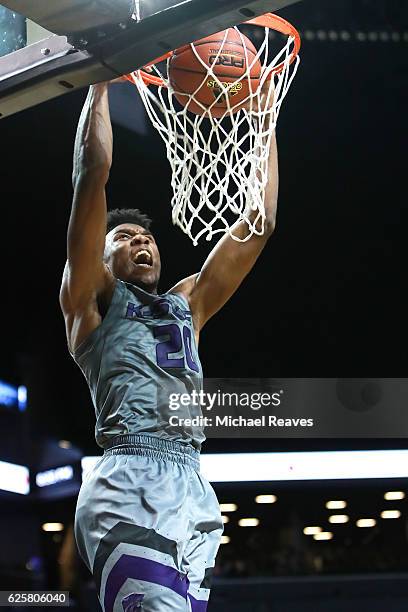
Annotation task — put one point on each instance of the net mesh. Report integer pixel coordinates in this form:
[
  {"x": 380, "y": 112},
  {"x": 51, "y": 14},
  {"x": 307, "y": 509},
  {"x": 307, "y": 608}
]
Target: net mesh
[{"x": 219, "y": 165}]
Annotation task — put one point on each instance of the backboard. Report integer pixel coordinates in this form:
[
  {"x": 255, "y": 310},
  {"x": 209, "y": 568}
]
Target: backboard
[{"x": 70, "y": 44}]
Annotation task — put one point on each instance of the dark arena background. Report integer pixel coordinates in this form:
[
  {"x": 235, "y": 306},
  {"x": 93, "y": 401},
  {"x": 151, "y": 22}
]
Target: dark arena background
[{"x": 327, "y": 298}]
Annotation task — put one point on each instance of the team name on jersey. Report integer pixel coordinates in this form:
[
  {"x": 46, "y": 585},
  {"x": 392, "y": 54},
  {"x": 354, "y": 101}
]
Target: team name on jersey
[{"x": 156, "y": 310}]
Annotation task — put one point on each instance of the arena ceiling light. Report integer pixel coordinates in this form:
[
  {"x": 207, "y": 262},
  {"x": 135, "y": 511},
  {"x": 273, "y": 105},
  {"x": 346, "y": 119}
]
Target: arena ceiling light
[
  {"x": 312, "y": 530},
  {"x": 266, "y": 499},
  {"x": 248, "y": 522},
  {"x": 228, "y": 507},
  {"x": 225, "y": 539},
  {"x": 323, "y": 536},
  {"x": 366, "y": 522},
  {"x": 338, "y": 519},
  {"x": 53, "y": 527},
  {"x": 390, "y": 514},
  {"x": 394, "y": 495},
  {"x": 225, "y": 519},
  {"x": 334, "y": 504}
]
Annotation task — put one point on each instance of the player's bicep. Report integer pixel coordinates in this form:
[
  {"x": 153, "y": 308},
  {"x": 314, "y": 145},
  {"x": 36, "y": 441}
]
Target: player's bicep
[
  {"x": 79, "y": 288},
  {"x": 80, "y": 303}
]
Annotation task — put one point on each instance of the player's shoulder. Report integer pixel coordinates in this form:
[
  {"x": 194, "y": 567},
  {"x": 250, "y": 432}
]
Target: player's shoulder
[{"x": 184, "y": 287}]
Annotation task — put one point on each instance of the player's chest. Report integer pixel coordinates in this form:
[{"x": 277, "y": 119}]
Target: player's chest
[
  {"x": 165, "y": 326},
  {"x": 161, "y": 309}
]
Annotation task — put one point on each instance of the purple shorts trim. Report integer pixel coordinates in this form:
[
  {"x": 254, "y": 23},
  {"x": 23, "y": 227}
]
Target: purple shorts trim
[{"x": 129, "y": 566}]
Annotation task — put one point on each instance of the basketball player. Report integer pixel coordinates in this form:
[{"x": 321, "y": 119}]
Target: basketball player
[{"x": 148, "y": 524}]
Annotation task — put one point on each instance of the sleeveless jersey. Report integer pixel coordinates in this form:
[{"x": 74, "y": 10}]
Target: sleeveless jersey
[{"x": 142, "y": 355}]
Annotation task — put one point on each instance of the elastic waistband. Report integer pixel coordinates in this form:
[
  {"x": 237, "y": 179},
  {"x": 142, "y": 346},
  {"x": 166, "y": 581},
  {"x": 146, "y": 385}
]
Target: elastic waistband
[{"x": 151, "y": 446}]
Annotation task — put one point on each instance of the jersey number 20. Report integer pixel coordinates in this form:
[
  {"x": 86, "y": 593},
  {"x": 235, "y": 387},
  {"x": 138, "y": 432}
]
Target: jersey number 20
[{"x": 176, "y": 340}]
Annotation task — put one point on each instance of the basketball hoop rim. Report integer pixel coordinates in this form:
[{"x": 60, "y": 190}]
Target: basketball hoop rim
[{"x": 268, "y": 20}]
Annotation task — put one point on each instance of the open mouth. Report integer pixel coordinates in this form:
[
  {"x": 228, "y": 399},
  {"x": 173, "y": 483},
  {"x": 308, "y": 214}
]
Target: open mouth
[{"x": 143, "y": 259}]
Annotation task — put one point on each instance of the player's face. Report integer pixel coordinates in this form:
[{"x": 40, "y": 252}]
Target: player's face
[{"x": 132, "y": 255}]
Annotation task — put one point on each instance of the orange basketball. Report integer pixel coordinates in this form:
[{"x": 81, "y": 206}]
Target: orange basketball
[{"x": 229, "y": 60}]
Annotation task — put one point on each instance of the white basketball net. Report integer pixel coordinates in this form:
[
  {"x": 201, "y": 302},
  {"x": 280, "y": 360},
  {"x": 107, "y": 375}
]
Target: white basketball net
[{"x": 219, "y": 165}]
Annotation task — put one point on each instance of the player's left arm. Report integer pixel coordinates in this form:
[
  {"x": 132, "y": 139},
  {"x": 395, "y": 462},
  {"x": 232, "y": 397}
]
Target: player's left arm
[{"x": 230, "y": 261}]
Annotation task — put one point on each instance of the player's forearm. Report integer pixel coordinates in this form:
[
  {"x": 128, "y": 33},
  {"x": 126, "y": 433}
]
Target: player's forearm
[
  {"x": 271, "y": 191},
  {"x": 94, "y": 141},
  {"x": 92, "y": 162},
  {"x": 272, "y": 185}
]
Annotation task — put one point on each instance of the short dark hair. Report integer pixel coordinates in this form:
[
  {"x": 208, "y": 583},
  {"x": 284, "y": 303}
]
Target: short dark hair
[{"x": 127, "y": 215}]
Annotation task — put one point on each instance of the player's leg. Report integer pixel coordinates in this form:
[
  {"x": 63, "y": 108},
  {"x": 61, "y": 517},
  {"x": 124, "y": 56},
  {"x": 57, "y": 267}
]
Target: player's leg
[
  {"x": 137, "y": 568},
  {"x": 202, "y": 547},
  {"x": 131, "y": 579},
  {"x": 201, "y": 555},
  {"x": 129, "y": 533}
]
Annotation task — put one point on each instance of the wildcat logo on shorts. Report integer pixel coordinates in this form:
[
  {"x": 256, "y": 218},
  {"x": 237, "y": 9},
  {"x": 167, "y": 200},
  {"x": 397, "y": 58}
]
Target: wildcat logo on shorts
[
  {"x": 229, "y": 89},
  {"x": 133, "y": 602}
]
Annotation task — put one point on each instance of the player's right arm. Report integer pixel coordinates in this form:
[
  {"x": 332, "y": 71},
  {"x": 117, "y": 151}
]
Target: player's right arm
[{"x": 87, "y": 284}]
